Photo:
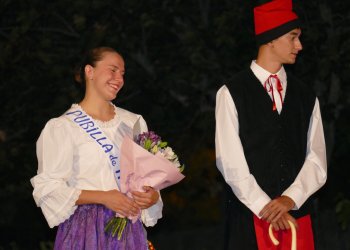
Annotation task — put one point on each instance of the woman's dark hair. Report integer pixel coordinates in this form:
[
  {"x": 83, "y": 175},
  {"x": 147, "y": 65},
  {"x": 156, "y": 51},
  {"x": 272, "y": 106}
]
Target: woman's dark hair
[{"x": 90, "y": 58}]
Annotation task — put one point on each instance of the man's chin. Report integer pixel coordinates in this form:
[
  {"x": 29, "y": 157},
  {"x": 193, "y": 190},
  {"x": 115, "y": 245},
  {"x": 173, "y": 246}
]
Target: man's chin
[{"x": 291, "y": 61}]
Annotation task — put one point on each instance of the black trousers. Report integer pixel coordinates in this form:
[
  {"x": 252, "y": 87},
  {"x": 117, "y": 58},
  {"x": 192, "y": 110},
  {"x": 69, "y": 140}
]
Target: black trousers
[{"x": 239, "y": 228}]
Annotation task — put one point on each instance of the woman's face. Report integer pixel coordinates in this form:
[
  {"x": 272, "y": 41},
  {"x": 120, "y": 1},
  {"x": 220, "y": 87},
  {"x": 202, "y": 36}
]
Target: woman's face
[{"x": 107, "y": 77}]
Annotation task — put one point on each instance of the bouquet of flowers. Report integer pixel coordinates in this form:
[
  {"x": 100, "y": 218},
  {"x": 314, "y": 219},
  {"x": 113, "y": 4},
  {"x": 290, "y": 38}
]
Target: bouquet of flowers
[
  {"x": 154, "y": 144},
  {"x": 148, "y": 162}
]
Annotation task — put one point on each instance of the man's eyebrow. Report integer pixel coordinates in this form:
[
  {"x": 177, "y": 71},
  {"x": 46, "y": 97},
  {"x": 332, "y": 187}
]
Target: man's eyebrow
[{"x": 294, "y": 33}]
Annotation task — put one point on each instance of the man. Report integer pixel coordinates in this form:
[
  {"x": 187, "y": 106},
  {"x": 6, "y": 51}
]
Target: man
[{"x": 269, "y": 138}]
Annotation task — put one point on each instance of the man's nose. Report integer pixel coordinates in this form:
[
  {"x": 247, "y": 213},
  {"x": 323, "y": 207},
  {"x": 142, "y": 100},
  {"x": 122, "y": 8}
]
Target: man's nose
[{"x": 298, "y": 45}]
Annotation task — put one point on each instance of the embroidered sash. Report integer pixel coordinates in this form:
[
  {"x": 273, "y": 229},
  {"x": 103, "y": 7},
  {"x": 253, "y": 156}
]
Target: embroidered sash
[{"x": 84, "y": 121}]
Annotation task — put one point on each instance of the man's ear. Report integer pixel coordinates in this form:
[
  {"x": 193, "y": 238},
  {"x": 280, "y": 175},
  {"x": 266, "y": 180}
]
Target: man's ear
[{"x": 89, "y": 72}]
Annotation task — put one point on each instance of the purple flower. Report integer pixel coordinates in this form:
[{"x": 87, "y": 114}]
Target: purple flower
[{"x": 148, "y": 135}]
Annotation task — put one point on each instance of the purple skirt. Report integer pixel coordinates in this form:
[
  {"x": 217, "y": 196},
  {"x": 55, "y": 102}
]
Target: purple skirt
[{"x": 85, "y": 230}]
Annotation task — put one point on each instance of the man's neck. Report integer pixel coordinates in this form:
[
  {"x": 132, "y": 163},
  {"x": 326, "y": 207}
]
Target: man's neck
[{"x": 270, "y": 66}]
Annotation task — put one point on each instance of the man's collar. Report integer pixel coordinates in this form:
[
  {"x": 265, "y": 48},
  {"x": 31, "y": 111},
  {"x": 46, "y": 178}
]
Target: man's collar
[{"x": 262, "y": 74}]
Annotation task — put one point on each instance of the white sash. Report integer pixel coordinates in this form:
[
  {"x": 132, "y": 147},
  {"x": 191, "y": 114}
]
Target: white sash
[{"x": 83, "y": 120}]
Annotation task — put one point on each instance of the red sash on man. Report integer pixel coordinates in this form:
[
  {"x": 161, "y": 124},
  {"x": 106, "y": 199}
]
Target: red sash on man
[{"x": 305, "y": 238}]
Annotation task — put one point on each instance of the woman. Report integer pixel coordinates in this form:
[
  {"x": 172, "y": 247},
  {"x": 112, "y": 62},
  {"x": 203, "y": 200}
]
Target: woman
[{"x": 77, "y": 183}]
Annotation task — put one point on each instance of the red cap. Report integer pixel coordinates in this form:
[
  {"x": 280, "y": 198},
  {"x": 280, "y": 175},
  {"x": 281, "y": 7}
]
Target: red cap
[{"x": 274, "y": 19}]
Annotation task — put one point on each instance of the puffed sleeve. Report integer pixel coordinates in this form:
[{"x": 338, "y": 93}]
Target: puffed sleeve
[
  {"x": 55, "y": 164},
  {"x": 150, "y": 215}
]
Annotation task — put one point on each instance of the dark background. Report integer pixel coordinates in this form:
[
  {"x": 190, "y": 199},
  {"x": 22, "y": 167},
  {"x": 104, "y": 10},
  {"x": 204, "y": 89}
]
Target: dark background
[{"x": 177, "y": 53}]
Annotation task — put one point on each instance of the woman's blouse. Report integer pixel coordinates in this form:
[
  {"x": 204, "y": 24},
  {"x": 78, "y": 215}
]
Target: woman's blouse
[{"x": 70, "y": 161}]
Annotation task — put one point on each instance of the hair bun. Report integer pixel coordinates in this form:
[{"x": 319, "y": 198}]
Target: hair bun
[{"x": 77, "y": 75}]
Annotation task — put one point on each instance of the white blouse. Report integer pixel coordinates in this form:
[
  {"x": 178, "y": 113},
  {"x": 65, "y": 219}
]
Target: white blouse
[
  {"x": 70, "y": 161},
  {"x": 231, "y": 162}
]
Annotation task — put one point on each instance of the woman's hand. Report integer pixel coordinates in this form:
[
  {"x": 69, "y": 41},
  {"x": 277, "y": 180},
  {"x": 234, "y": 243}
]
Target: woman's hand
[
  {"x": 145, "y": 199},
  {"x": 120, "y": 203}
]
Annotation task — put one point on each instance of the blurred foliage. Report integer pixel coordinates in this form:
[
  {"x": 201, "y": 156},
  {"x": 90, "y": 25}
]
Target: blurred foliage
[
  {"x": 343, "y": 211},
  {"x": 177, "y": 53}
]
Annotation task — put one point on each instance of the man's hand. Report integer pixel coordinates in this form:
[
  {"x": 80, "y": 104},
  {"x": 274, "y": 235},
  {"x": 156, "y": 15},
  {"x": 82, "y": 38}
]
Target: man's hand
[
  {"x": 282, "y": 223},
  {"x": 273, "y": 211}
]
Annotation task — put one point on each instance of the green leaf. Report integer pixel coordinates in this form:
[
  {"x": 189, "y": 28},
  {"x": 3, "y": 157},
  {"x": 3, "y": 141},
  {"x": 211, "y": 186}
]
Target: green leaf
[
  {"x": 182, "y": 168},
  {"x": 148, "y": 144}
]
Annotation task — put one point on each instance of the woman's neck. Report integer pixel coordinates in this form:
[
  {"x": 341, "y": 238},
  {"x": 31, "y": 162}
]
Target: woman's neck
[{"x": 98, "y": 109}]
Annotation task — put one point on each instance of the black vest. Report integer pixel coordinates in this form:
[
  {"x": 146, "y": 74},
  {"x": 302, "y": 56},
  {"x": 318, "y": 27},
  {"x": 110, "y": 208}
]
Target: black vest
[{"x": 274, "y": 145}]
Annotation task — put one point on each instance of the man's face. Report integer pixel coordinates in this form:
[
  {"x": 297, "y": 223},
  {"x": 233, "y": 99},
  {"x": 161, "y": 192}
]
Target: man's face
[{"x": 286, "y": 48}]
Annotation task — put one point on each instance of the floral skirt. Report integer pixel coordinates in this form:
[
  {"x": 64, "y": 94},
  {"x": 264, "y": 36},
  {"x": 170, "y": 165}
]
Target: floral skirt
[{"x": 85, "y": 230}]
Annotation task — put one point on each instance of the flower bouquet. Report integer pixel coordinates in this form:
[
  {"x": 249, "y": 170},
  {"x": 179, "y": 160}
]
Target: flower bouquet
[{"x": 148, "y": 162}]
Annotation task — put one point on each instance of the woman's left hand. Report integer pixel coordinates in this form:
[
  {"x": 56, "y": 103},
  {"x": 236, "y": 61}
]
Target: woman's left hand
[{"x": 145, "y": 199}]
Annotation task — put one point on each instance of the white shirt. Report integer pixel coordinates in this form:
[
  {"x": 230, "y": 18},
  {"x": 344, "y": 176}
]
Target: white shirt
[
  {"x": 231, "y": 162},
  {"x": 70, "y": 161}
]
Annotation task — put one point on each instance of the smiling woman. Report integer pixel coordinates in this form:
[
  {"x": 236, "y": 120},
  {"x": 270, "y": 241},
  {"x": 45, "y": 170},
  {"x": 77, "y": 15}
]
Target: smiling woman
[
  {"x": 77, "y": 184},
  {"x": 102, "y": 75},
  {"x": 105, "y": 79}
]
